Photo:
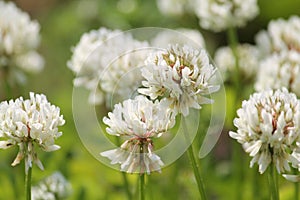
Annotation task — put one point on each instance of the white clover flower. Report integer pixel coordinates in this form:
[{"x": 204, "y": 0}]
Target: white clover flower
[
  {"x": 138, "y": 120},
  {"x": 101, "y": 51},
  {"x": 19, "y": 38},
  {"x": 173, "y": 7},
  {"x": 52, "y": 187},
  {"x": 281, "y": 35},
  {"x": 248, "y": 60},
  {"x": 29, "y": 123},
  {"x": 268, "y": 127},
  {"x": 280, "y": 70},
  {"x": 182, "y": 75},
  {"x": 219, "y": 15},
  {"x": 182, "y": 36}
]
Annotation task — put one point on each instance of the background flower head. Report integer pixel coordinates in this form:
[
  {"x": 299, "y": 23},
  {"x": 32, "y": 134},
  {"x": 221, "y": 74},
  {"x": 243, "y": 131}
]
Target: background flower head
[
  {"x": 102, "y": 57},
  {"x": 19, "y": 37},
  {"x": 52, "y": 187},
  {"x": 219, "y": 15},
  {"x": 248, "y": 61},
  {"x": 268, "y": 127},
  {"x": 29, "y": 123},
  {"x": 281, "y": 35},
  {"x": 174, "y": 7},
  {"x": 280, "y": 70},
  {"x": 182, "y": 36}
]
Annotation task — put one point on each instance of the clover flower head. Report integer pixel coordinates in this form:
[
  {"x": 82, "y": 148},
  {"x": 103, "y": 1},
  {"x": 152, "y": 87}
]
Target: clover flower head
[
  {"x": 181, "y": 74},
  {"x": 248, "y": 60},
  {"x": 182, "y": 36},
  {"x": 104, "y": 53},
  {"x": 281, "y": 35},
  {"x": 218, "y": 15},
  {"x": 268, "y": 127},
  {"x": 29, "y": 123},
  {"x": 173, "y": 7},
  {"x": 122, "y": 76},
  {"x": 19, "y": 38},
  {"x": 52, "y": 187},
  {"x": 138, "y": 120},
  {"x": 280, "y": 70}
]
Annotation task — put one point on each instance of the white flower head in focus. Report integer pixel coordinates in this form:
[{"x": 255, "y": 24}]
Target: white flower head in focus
[
  {"x": 280, "y": 70},
  {"x": 180, "y": 36},
  {"x": 180, "y": 74},
  {"x": 248, "y": 61},
  {"x": 138, "y": 121},
  {"x": 30, "y": 124},
  {"x": 268, "y": 127},
  {"x": 281, "y": 35},
  {"x": 19, "y": 38},
  {"x": 99, "y": 49},
  {"x": 52, "y": 187},
  {"x": 219, "y": 15}
]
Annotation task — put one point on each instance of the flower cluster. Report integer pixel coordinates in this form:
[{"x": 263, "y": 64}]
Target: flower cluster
[
  {"x": 29, "y": 124},
  {"x": 218, "y": 15},
  {"x": 52, "y": 187},
  {"x": 281, "y": 50},
  {"x": 269, "y": 129},
  {"x": 19, "y": 38},
  {"x": 248, "y": 61},
  {"x": 180, "y": 74},
  {"x": 138, "y": 120},
  {"x": 101, "y": 57}
]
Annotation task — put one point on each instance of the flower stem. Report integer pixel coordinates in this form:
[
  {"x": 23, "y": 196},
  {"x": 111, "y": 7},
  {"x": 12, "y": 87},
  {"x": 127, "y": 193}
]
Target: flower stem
[
  {"x": 195, "y": 166},
  {"x": 5, "y": 74},
  {"x": 124, "y": 176},
  {"x": 142, "y": 186},
  {"x": 232, "y": 38},
  {"x": 273, "y": 185},
  {"x": 28, "y": 183}
]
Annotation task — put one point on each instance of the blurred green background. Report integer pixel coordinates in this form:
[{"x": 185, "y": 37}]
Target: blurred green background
[{"x": 62, "y": 23}]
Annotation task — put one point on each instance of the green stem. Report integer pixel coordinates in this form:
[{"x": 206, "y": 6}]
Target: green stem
[
  {"x": 238, "y": 168},
  {"x": 232, "y": 38},
  {"x": 7, "y": 88},
  {"x": 273, "y": 184},
  {"x": 124, "y": 176},
  {"x": 142, "y": 186},
  {"x": 126, "y": 185},
  {"x": 28, "y": 183},
  {"x": 195, "y": 166}
]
